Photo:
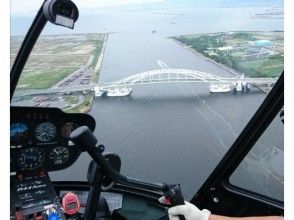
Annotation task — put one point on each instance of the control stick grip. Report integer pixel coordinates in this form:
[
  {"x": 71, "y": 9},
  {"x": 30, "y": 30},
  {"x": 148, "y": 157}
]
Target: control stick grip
[
  {"x": 175, "y": 196},
  {"x": 83, "y": 137}
]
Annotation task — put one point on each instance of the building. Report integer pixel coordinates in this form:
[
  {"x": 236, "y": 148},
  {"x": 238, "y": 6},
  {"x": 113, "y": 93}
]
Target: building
[{"x": 263, "y": 43}]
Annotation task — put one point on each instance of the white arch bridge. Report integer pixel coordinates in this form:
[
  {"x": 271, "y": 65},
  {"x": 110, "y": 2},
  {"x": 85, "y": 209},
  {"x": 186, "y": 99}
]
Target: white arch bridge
[
  {"x": 123, "y": 87},
  {"x": 161, "y": 76}
]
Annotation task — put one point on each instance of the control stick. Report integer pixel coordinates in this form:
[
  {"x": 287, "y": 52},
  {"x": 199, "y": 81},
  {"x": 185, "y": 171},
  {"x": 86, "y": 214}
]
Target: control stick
[{"x": 86, "y": 141}]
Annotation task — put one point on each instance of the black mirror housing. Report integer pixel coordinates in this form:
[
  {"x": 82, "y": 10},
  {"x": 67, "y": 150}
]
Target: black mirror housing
[{"x": 61, "y": 12}]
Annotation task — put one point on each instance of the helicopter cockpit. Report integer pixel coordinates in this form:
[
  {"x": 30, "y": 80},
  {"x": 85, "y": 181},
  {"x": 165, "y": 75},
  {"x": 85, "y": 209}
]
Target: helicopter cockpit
[{"x": 46, "y": 139}]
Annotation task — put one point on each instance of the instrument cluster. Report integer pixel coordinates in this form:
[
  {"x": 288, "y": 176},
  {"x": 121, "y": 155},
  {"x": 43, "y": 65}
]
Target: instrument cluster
[{"x": 39, "y": 138}]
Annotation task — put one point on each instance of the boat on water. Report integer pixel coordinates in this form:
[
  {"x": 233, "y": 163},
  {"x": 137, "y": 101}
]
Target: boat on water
[
  {"x": 219, "y": 88},
  {"x": 119, "y": 92}
]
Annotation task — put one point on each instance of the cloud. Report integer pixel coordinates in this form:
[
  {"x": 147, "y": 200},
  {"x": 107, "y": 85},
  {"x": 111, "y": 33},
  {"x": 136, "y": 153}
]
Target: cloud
[{"x": 27, "y": 7}]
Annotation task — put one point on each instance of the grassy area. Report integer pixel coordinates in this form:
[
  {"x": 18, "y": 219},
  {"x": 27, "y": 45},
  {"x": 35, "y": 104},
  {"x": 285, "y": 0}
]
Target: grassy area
[
  {"x": 262, "y": 68},
  {"x": 201, "y": 43},
  {"x": 85, "y": 106},
  {"x": 54, "y": 57},
  {"x": 96, "y": 52},
  {"x": 72, "y": 99},
  {"x": 43, "y": 79},
  {"x": 252, "y": 64},
  {"x": 242, "y": 51}
]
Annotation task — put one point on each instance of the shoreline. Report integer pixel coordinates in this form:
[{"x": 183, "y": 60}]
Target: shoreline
[
  {"x": 228, "y": 69},
  {"x": 96, "y": 74},
  {"x": 86, "y": 106},
  {"x": 98, "y": 66}
]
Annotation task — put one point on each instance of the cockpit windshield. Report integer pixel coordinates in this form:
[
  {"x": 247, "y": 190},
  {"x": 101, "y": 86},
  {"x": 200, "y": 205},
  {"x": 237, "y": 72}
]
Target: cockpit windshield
[{"x": 170, "y": 83}]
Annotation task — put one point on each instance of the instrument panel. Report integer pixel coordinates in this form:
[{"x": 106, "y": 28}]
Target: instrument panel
[{"x": 39, "y": 138}]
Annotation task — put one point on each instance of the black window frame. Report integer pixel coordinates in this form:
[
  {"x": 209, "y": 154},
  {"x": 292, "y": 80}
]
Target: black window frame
[{"x": 219, "y": 178}]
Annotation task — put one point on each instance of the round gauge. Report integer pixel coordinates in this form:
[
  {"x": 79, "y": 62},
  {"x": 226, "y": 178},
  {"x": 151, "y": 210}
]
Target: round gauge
[
  {"x": 67, "y": 129},
  {"x": 59, "y": 155},
  {"x": 31, "y": 158},
  {"x": 18, "y": 133},
  {"x": 45, "y": 132}
]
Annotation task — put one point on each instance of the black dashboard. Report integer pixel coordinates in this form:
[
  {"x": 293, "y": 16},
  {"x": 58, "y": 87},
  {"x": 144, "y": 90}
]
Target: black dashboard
[{"x": 39, "y": 138}]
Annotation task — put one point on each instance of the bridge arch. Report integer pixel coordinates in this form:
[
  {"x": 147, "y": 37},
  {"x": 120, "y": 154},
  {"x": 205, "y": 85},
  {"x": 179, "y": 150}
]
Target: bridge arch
[{"x": 166, "y": 76}]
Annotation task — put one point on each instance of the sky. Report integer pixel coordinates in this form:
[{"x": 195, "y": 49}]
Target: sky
[
  {"x": 30, "y": 7},
  {"x": 25, "y": 7}
]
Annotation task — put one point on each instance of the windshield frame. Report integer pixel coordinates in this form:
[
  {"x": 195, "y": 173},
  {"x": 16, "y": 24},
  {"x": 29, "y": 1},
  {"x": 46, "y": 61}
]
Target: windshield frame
[
  {"x": 26, "y": 47},
  {"x": 219, "y": 178},
  {"x": 31, "y": 38}
]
